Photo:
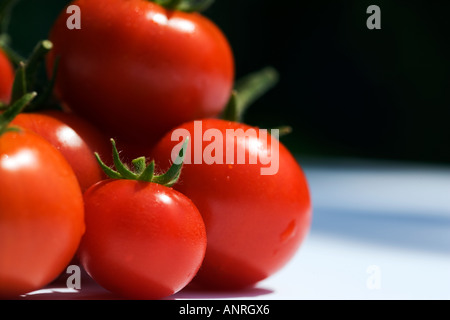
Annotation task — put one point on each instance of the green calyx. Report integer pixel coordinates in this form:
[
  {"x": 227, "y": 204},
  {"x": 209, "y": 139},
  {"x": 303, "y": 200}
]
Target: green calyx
[
  {"x": 184, "y": 5},
  {"x": 141, "y": 171}
]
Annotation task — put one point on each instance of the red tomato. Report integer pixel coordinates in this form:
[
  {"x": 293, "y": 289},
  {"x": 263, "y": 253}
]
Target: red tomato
[
  {"x": 255, "y": 223},
  {"x": 6, "y": 78},
  {"x": 143, "y": 240},
  {"x": 41, "y": 213},
  {"x": 75, "y": 138},
  {"x": 137, "y": 70}
]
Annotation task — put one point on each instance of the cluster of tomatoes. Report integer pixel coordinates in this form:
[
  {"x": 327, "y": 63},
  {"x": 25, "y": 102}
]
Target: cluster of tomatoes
[{"x": 135, "y": 72}]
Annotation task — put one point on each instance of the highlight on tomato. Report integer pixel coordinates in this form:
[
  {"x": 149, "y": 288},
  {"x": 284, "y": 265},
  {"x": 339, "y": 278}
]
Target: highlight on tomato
[
  {"x": 74, "y": 137},
  {"x": 143, "y": 239},
  {"x": 137, "y": 61},
  {"x": 255, "y": 222}
]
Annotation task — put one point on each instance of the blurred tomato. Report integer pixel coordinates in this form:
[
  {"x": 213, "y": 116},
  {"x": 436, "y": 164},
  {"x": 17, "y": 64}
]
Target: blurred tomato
[
  {"x": 74, "y": 137},
  {"x": 6, "y": 78}
]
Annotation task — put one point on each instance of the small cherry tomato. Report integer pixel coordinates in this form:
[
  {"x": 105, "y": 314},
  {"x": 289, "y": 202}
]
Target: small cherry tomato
[{"x": 143, "y": 240}]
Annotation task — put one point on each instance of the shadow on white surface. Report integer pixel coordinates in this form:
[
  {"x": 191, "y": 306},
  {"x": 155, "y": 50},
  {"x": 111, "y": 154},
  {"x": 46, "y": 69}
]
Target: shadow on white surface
[
  {"x": 386, "y": 203},
  {"x": 373, "y": 215},
  {"x": 430, "y": 233},
  {"x": 197, "y": 293},
  {"x": 90, "y": 290}
]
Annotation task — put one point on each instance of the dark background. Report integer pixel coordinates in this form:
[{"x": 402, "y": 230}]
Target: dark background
[{"x": 346, "y": 90}]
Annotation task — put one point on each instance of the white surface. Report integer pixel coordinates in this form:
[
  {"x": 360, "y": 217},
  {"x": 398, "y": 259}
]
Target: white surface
[{"x": 380, "y": 231}]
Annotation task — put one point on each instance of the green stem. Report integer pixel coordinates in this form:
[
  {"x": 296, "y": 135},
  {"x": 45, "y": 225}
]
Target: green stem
[
  {"x": 283, "y": 130},
  {"x": 13, "y": 111},
  {"x": 26, "y": 73},
  {"x": 107, "y": 170},
  {"x": 185, "y": 5},
  {"x": 254, "y": 86},
  {"x": 36, "y": 58},
  {"x": 148, "y": 173},
  {"x": 120, "y": 166},
  {"x": 195, "y": 6},
  {"x": 172, "y": 175},
  {"x": 231, "y": 111},
  {"x": 139, "y": 165},
  {"x": 173, "y": 4},
  {"x": 247, "y": 90},
  {"x": 6, "y": 7},
  {"x": 19, "y": 87},
  {"x": 47, "y": 92},
  {"x": 13, "y": 56}
]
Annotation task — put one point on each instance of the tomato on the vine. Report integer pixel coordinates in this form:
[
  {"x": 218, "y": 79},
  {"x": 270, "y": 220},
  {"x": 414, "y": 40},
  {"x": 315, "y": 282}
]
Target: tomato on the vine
[
  {"x": 254, "y": 222},
  {"x": 41, "y": 211},
  {"x": 74, "y": 137},
  {"x": 6, "y": 78},
  {"x": 135, "y": 62},
  {"x": 143, "y": 239}
]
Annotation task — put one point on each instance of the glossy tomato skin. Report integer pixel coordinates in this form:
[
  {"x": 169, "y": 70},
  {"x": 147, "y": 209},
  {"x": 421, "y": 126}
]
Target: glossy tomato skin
[
  {"x": 255, "y": 223},
  {"x": 41, "y": 213},
  {"x": 137, "y": 70},
  {"x": 74, "y": 137},
  {"x": 143, "y": 240},
  {"x": 6, "y": 78}
]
